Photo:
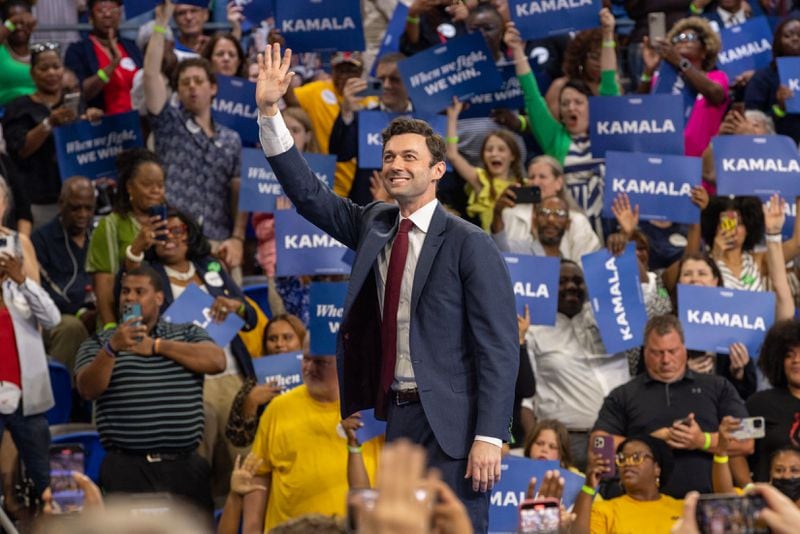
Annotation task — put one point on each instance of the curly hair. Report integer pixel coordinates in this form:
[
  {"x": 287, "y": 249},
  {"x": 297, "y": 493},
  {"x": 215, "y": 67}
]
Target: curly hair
[
  {"x": 749, "y": 209},
  {"x": 127, "y": 164},
  {"x": 578, "y": 48},
  {"x": 562, "y": 436},
  {"x": 780, "y": 339},
  {"x": 711, "y": 41},
  {"x": 197, "y": 246}
]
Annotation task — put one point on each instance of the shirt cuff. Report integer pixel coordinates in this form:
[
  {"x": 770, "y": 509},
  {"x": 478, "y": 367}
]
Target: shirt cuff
[
  {"x": 494, "y": 441},
  {"x": 274, "y": 135}
]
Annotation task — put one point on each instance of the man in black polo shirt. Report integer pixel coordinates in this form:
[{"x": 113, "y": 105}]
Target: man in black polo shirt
[
  {"x": 672, "y": 403},
  {"x": 147, "y": 378}
]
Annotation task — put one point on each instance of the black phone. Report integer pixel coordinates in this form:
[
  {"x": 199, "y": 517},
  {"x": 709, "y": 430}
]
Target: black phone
[
  {"x": 160, "y": 211},
  {"x": 64, "y": 459},
  {"x": 530, "y": 194},
  {"x": 374, "y": 88},
  {"x": 730, "y": 513}
]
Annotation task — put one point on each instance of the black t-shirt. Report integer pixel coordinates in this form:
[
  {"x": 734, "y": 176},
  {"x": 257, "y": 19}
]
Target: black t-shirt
[
  {"x": 644, "y": 405},
  {"x": 781, "y": 412}
]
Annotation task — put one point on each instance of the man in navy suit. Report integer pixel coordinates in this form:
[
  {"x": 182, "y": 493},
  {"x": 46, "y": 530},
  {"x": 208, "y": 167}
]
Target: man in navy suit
[{"x": 446, "y": 378}]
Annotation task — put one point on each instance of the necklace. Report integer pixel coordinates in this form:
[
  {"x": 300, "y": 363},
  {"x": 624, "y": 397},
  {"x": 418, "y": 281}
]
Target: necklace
[{"x": 179, "y": 276}]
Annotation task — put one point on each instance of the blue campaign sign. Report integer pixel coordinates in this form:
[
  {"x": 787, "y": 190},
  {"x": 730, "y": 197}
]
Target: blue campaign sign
[
  {"x": 461, "y": 67},
  {"x": 260, "y": 187},
  {"x": 508, "y": 96},
  {"x": 789, "y": 72},
  {"x": 310, "y": 25},
  {"x": 372, "y": 123},
  {"x": 660, "y": 185},
  {"x": 283, "y": 370},
  {"x": 790, "y": 211},
  {"x": 326, "y": 308},
  {"x": 90, "y": 149},
  {"x": 372, "y": 427},
  {"x": 544, "y": 18},
  {"x": 134, "y": 9},
  {"x": 756, "y": 165},
  {"x": 391, "y": 37},
  {"x": 194, "y": 306},
  {"x": 642, "y": 123},
  {"x": 508, "y": 494},
  {"x": 668, "y": 82},
  {"x": 616, "y": 297},
  {"x": 255, "y": 11},
  {"x": 304, "y": 249},
  {"x": 535, "y": 281},
  {"x": 235, "y": 107},
  {"x": 746, "y": 46},
  {"x": 713, "y": 318}
]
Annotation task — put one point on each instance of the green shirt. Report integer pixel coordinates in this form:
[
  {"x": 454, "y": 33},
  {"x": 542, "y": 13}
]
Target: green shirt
[
  {"x": 109, "y": 240},
  {"x": 15, "y": 77}
]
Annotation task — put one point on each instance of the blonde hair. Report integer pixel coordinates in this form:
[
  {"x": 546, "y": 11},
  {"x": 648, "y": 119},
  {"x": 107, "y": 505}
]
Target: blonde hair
[
  {"x": 558, "y": 172},
  {"x": 302, "y": 117},
  {"x": 709, "y": 38}
]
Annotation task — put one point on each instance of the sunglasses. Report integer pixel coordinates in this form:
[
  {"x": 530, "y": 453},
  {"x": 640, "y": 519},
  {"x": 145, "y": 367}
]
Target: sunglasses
[
  {"x": 557, "y": 213},
  {"x": 38, "y": 48},
  {"x": 686, "y": 37},
  {"x": 637, "y": 458},
  {"x": 177, "y": 231}
]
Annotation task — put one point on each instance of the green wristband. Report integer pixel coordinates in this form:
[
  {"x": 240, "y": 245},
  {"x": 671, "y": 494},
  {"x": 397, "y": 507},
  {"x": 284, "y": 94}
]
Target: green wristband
[
  {"x": 109, "y": 326},
  {"x": 523, "y": 124},
  {"x": 694, "y": 9},
  {"x": 102, "y": 75},
  {"x": 10, "y": 26},
  {"x": 707, "y": 443},
  {"x": 777, "y": 111},
  {"x": 589, "y": 491}
]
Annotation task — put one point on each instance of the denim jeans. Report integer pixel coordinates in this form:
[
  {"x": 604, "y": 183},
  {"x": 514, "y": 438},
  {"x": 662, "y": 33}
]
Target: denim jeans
[{"x": 31, "y": 435}]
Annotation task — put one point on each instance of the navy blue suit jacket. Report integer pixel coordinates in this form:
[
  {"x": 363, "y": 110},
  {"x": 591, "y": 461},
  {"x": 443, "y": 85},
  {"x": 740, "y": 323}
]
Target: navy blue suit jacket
[
  {"x": 463, "y": 335},
  {"x": 80, "y": 57}
]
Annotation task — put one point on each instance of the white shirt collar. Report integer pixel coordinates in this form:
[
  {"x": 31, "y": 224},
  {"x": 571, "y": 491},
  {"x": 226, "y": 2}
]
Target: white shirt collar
[
  {"x": 727, "y": 16},
  {"x": 423, "y": 216}
]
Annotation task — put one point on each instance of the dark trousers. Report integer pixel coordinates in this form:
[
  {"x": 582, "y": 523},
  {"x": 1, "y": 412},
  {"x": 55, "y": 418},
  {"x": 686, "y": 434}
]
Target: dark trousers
[
  {"x": 31, "y": 435},
  {"x": 187, "y": 477},
  {"x": 409, "y": 421}
]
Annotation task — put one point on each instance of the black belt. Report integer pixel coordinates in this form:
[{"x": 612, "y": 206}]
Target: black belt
[
  {"x": 402, "y": 397},
  {"x": 155, "y": 457}
]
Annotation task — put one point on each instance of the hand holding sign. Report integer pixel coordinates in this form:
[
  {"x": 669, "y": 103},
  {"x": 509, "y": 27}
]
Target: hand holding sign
[{"x": 274, "y": 78}]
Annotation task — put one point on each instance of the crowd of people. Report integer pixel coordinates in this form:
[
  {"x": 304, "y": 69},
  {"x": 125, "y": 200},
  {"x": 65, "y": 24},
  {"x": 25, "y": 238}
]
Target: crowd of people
[{"x": 179, "y": 414}]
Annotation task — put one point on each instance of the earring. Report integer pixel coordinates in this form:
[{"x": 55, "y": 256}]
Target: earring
[{"x": 658, "y": 482}]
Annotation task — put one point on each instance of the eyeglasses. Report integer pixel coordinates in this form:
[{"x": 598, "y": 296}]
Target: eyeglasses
[
  {"x": 637, "y": 458},
  {"x": 558, "y": 213},
  {"x": 38, "y": 48},
  {"x": 177, "y": 231},
  {"x": 686, "y": 37}
]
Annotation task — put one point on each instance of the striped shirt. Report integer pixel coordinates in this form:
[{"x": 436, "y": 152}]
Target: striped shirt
[
  {"x": 152, "y": 404},
  {"x": 750, "y": 279},
  {"x": 584, "y": 178}
]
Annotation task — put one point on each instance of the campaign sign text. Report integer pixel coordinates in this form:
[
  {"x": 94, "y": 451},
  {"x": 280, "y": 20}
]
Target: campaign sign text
[
  {"x": 508, "y": 494},
  {"x": 326, "y": 308},
  {"x": 461, "y": 67},
  {"x": 789, "y": 73},
  {"x": 310, "y": 25},
  {"x": 535, "y": 281},
  {"x": 714, "y": 318},
  {"x": 508, "y": 96},
  {"x": 304, "y": 249},
  {"x": 234, "y": 107},
  {"x": 283, "y": 370},
  {"x": 660, "y": 185},
  {"x": 642, "y": 123},
  {"x": 543, "y": 18},
  {"x": 194, "y": 306},
  {"x": 90, "y": 149},
  {"x": 756, "y": 165},
  {"x": 372, "y": 123},
  {"x": 616, "y": 297},
  {"x": 746, "y": 46},
  {"x": 260, "y": 188},
  {"x": 391, "y": 37}
]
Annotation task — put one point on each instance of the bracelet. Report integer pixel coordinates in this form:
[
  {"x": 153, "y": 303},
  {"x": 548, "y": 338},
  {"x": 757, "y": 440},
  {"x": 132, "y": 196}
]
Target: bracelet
[
  {"x": 720, "y": 459},
  {"x": 776, "y": 109},
  {"x": 102, "y": 75},
  {"x": 523, "y": 123},
  {"x": 46, "y": 124},
  {"x": 135, "y": 258},
  {"x": 10, "y": 26},
  {"x": 241, "y": 310},
  {"x": 609, "y": 44},
  {"x": 707, "y": 443},
  {"x": 157, "y": 28},
  {"x": 109, "y": 350},
  {"x": 109, "y": 326},
  {"x": 452, "y": 140},
  {"x": 588, "y": 491},
  {"x": 354, "y": 450},
  {"x": 412, "y": 20},
  {"x": 773, "y": 238},
  {"x": 644, "y": 78},
  {"x": 694, "y": 9},
  {"x": 156, "y": 346}
]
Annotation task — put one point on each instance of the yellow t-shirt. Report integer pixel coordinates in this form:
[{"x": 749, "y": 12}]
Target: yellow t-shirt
[
  {"x": 624, "y": 515},
  {"x": 297, "y": 440},
  {"x": 482, "y": 204}
]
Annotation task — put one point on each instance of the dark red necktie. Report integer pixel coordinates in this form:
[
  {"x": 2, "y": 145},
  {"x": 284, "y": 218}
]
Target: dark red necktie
[{"x": 391, "y": 300}]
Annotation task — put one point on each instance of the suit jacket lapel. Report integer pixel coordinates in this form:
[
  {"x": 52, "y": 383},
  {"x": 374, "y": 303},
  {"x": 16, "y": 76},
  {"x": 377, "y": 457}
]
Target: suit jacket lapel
[
  {"x": 430, "y": 247},
  {"x": 383, "y": 229}
]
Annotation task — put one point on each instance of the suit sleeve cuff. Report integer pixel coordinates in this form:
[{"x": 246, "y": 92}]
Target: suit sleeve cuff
[
  {"x": 274, "y": 135},
  {"x": 494, "y": 441}
]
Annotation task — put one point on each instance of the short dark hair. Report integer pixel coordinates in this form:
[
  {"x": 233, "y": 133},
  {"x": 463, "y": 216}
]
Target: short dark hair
[
  {"x": 5, "y": 7},
  {"x": 403, "y": 125},
  {"x": 578, "y": 85},
  {"x": 91, "y": 3},
  {"x": 748, "y": 207},
  {"x": 197, "y": 245},
  {"x": 127, "y": 163},
  {"x": 704, "y": 257},
  {"x": 201, "y": 62},
  {"x": 662, "y": 454},
  {"x": 663, "y": 325},
  {"x": 780, "y": 339},
  {"x": 149, "y": 272}
]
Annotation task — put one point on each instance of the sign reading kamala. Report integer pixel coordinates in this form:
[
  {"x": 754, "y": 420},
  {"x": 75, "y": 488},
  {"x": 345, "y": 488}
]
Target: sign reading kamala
[
  {"x": 713, "y": 318},
  {"x": 535, "y": 281},
  {"x": 372, "y": 123},
  {"x": 789, "y": 72},
  {"x": 616, "y": 296},
  {"x": 543, "y": 18},
  {"x": 756, "y": 165},
  {"x": 508, "y": 494},
  {"x": 462, "y": 67},
  {"x": 304, "y": 249},
  {"x": 391, "y": 37},
  {"x": 310, "y": 25},
  {"x": 327, "y": 307},
  {"x": 643, "y": 123},
  {"x": 660, "y": 185},
  {"x": 281, "y": 369},
  {"x": 194, "y": 306},
  {"x": 260, "y": 188},
  {"x": 746, "y": 46},
  {"x": 234, "y": 107},
  {"x": 90, "y": 149}
]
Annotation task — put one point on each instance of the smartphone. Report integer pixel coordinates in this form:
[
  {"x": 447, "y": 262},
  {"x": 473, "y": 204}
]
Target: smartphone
[
  {"x": 72, "y": 101},
  {"x": 8, "y": 245},
  {"x": 751, "y": 428},
  {"x": 374, "y": 88},
  {"x": 129, "y": 311},
  {"x": 160, "y": 211},
  {"x": 530, "y": 194},
  {"x": 685, "y": 422},
  {"x": 657, "y": 25},
  {"x": 539, "y": 516},
  {"x": 730, "y": 513},
  {"x": 604, "y": 446},
  {"x": 728, "y": 220},
  {"x": 67, "y": 496},
  {"x": 738, "y": 107}
]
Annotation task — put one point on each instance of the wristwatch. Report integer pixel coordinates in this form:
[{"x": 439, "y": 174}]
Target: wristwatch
[{"x": 684, "y": 64}]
